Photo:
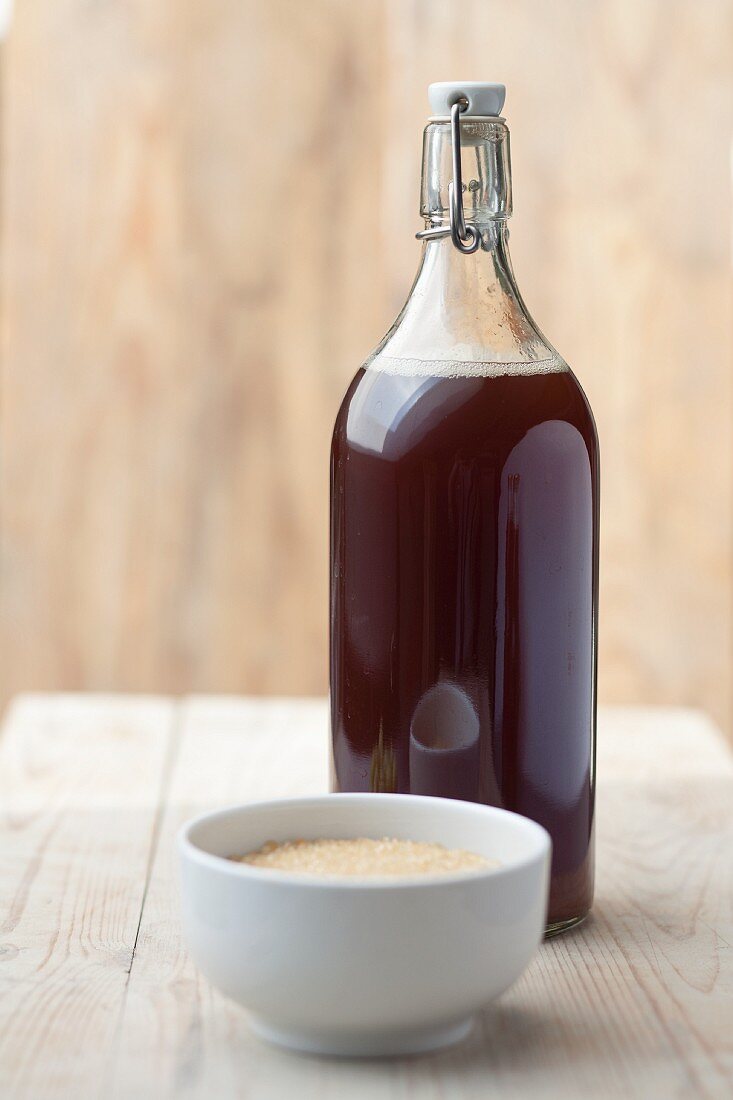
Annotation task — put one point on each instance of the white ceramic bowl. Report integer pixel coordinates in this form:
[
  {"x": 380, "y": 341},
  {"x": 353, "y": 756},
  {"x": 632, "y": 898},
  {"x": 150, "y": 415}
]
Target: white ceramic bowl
[{"x": 363, "y": 967}]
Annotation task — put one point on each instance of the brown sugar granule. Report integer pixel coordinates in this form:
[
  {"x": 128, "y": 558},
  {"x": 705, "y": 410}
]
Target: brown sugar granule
[{"x": 365, "y": 858}]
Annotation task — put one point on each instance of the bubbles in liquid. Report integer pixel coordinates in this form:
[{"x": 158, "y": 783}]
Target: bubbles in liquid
[{"x": 449, "y": 368}]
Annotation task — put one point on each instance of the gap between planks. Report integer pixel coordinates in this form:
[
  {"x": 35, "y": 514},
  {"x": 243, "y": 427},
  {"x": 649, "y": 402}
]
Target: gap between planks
[{"x": 174, "y": 738}]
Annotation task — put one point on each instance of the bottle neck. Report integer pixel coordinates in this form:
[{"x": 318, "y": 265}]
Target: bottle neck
[
  {"x": 485, "y": 167},
  {"x": 466, "y": 309}
]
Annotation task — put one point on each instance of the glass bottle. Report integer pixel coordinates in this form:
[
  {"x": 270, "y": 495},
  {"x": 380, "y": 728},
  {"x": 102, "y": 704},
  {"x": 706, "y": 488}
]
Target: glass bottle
[{"x": 464, "y": 529}]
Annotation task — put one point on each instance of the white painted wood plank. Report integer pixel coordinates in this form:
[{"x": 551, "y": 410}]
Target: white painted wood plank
[
  {"x": 178, "y": 1036},
  {"x": 635, "y": 1004},
  {"x": 80, "y": 782}
]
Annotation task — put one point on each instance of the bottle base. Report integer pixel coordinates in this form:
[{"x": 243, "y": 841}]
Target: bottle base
[{"x": 556, "y": 928}]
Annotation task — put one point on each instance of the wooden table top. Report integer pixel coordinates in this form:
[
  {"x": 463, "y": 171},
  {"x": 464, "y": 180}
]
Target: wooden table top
[{"x": 99, "y": 997}]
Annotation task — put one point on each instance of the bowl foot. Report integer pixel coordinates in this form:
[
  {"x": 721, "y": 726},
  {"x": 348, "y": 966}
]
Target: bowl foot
[{"x": 364, "y": 1044}]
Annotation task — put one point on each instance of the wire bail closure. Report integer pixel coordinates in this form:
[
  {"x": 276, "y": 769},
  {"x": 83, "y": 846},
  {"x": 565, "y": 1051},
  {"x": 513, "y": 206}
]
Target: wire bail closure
[{"x": 466, "y": 238}]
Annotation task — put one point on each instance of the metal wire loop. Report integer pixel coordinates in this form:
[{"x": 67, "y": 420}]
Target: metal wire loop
[{"x": 466, "y": 238}]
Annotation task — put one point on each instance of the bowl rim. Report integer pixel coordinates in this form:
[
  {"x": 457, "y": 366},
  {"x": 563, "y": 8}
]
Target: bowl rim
[{"x": 188, "y": 850}]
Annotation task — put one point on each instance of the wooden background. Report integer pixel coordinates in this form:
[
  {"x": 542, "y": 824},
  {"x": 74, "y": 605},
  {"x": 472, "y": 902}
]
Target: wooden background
[{"x": 207, "y": 211}]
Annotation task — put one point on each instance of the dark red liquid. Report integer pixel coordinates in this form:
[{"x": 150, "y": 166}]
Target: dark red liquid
[{"x": 463, "y": 600}]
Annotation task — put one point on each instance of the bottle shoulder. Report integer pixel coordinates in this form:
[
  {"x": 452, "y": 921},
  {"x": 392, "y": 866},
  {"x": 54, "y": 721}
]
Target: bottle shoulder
[
  {"x": 398, "y": 410},
  {"x": 420, "y": 384}
]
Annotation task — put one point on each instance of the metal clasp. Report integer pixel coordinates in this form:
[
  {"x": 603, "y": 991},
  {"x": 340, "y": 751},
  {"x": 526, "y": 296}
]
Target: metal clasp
[{"x": 466, "y": 238}]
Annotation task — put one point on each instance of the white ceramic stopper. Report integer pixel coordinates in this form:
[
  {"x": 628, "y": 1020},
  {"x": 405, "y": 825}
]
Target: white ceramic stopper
[{"x": 483, "y": 99}]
